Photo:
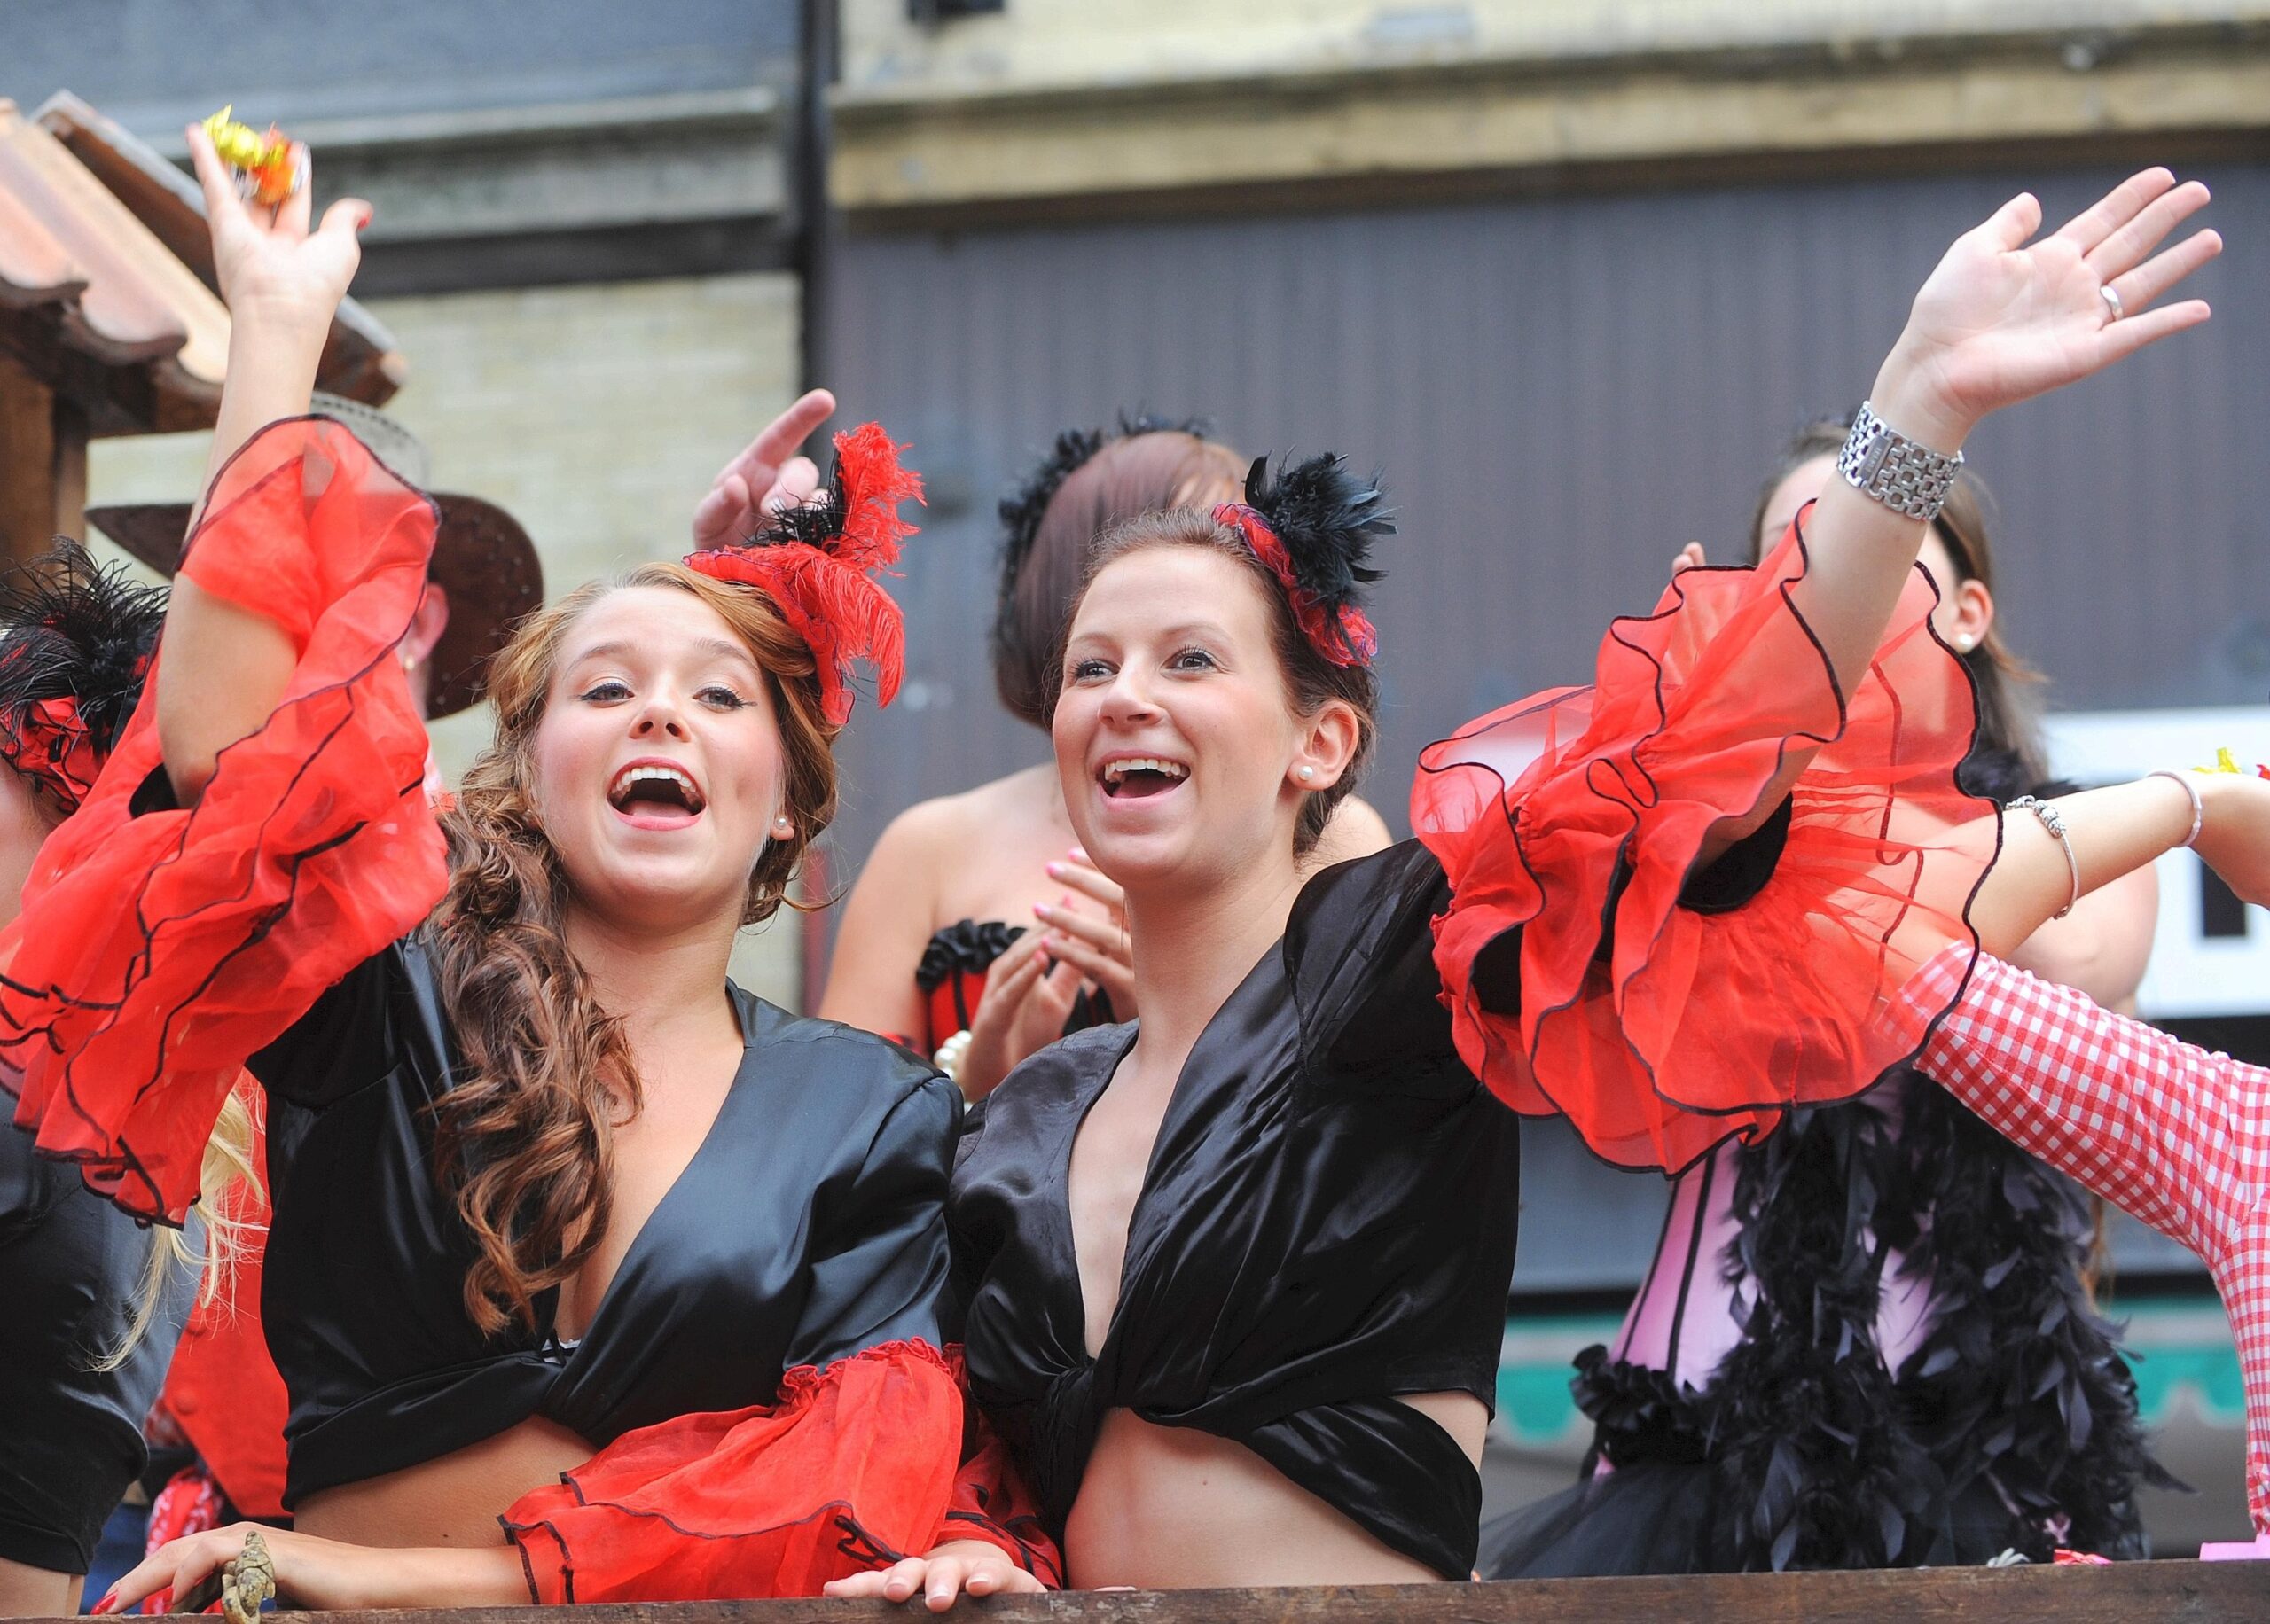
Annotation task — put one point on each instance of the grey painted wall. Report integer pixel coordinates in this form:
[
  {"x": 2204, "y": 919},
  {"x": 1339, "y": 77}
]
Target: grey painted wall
[{"x": 155, "y": 63}]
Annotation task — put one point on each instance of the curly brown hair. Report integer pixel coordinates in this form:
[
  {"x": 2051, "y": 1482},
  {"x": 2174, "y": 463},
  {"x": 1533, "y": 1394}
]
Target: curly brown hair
[{"x": 524, "y": 1136}]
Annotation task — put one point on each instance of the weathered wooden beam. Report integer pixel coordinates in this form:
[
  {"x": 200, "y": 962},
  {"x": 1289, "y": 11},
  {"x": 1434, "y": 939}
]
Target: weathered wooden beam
[
  {"x": 42, "y": 465},
  {"x": 2200, "y": 1592},
  {"x": 910, "y": 152}
]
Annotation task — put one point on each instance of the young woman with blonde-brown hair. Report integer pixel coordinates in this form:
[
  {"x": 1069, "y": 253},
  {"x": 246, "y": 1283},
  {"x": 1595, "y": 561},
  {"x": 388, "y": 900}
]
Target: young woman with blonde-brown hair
[{"x": 591, "y": 1277}]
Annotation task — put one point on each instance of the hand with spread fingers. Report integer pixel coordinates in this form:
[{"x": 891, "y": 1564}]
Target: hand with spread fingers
[
  {"x": 768, "y": 475},
  {"x": 2006, "y": 316},
  {"x": 960, "y": 1567}
]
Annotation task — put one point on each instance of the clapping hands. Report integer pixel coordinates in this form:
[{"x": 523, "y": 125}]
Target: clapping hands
[{"x": 1080, "y": 944}]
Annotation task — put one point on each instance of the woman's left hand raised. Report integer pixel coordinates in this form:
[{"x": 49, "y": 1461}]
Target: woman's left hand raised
[
  {"x": 941, "y": 1575},
  {"x": 2006, "y": 317}
]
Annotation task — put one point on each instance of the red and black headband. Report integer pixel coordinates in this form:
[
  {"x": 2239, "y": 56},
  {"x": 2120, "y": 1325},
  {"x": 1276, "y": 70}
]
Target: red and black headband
[
  {"x": 75, "y": 644},
  {"x": 1313, "y": 526},
  {"x": 818, "y": 564}
]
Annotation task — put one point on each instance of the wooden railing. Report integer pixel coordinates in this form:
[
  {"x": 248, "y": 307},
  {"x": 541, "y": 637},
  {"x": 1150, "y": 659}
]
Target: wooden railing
[{"x": 2127, "y": 1593}]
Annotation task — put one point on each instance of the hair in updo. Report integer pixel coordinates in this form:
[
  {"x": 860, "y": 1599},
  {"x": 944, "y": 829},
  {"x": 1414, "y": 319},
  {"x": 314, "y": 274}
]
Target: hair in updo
[
  {"x": 1140, "y": 472},
  {"x": 1311, "y": 681},
  {"x": 525, "y": 1138}
]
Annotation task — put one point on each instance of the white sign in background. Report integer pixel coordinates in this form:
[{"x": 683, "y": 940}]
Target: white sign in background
[{"x": 2191, "y": 973}]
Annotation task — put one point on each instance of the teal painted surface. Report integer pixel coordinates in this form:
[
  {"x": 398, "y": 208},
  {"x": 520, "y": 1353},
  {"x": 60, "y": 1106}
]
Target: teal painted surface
[{"x": 2181, "y": 1354}]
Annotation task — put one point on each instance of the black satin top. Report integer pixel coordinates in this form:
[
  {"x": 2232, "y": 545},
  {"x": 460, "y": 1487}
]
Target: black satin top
[
  {"x": 808, "y": 1225},
  {"x": 1328, "y": 1221}
]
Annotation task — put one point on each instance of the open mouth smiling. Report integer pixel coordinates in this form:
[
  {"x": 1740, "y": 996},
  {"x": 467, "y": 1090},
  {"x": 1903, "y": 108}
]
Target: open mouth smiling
[
  {"x": 1138, "y": 777},
  {"x": 656, "y": 794}
]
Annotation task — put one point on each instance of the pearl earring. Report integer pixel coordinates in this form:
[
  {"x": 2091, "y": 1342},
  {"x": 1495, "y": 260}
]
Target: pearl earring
[
  {"x": 782, "y": 828},
  {"x": 1307, "y": 773}
]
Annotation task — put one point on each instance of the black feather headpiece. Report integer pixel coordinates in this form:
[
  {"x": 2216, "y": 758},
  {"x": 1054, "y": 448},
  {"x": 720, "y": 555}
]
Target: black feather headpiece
[
  {"x": 76, "y": 642},
  {"x": 1026, "y": 503},
  {"x": 1313, "y": 524}
]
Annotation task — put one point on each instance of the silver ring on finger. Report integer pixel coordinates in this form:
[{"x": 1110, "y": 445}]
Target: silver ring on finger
[{"x": 2114, "y": 310}]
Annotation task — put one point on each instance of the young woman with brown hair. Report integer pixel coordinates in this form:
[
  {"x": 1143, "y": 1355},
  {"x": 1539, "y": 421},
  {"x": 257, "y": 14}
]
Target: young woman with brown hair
[
  {"x": 1869, "y": 1340},
  {"x": 576, "y": 1247},
  {"x": 1236, "y": 1274},
  {"x": 977, "y": 913}
]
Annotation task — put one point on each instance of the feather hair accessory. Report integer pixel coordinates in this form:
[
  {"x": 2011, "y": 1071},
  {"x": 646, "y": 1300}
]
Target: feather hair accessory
[
  {"x": 1312, "y": 525},
  {"x": 76, "y": 642},
  {"x": 818, "y": 563},
  {"x": 1026, "y": 503}
]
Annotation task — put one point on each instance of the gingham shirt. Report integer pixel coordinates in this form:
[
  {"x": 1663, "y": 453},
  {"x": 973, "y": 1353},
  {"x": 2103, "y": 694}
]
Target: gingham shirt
[{"x": 2170, "y": 1133}]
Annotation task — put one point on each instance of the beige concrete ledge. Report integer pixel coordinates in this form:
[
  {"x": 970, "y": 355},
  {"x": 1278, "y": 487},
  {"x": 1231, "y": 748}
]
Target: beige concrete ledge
[{"x": 1040, "y": 150}]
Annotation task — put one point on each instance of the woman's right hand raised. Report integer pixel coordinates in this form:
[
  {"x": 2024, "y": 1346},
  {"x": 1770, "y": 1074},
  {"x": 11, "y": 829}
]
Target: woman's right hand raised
[
  {"x": 270, "y": 267},
  {"x": 2005, "y": 317}
]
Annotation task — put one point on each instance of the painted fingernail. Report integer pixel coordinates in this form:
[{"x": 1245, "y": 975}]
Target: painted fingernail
[
  {"x": 1041, "y": 910},
  {"x": 1055, "y": 870}
]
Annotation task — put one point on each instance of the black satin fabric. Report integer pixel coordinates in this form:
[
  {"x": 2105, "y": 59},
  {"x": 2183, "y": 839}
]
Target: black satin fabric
[
  {"x": 71, "y": 1268},
  {"x": 808, "y": 1225},
  {"x": 1328, "y": 1221}
]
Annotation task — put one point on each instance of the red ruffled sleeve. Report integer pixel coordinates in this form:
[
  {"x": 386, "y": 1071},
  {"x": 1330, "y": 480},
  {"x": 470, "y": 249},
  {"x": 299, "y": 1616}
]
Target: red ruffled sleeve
[
  {"x": 1577, "y": 818},
  {"x": 854, "y": 1468},
  {"x": 156, "y": 952}
]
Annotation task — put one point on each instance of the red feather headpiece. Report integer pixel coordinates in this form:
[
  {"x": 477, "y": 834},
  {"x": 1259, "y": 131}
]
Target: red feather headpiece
[{"x": 818, "y": 564}]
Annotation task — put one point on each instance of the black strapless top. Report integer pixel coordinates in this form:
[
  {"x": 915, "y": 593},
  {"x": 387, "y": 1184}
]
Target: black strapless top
[
  {"x": 1328, "y": 1221},
  {"x": 956, "y": 962},
  {"x": 808, "y": 1225}
]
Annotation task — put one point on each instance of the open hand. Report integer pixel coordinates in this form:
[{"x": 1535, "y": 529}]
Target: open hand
[
  {"x": 768, "y": 476},
  {"x": 267, "y": 261},
  {"x": 941, "y": 1575},
  {"x": 2005, "y": 317}
]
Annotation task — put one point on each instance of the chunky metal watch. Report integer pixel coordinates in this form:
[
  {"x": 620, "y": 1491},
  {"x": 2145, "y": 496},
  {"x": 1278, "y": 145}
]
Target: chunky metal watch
[{"x": 1905, "y": 477}]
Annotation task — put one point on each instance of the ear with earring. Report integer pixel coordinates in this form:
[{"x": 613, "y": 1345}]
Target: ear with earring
[{"x": 783, "y": 827}]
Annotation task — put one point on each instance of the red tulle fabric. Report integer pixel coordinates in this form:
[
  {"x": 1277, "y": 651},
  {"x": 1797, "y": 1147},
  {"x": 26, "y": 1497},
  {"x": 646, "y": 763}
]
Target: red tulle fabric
[
  {"x": 1579, "y": 815},
  {"x": 828, "y": 593},
  {"x": 1345, "y": 639},
  {"x": 51, "y": 743},
  {"x": 156, "y": 953},
  {"x": 854, "y": 1468},
  {"x": 222, "y": 1392}
]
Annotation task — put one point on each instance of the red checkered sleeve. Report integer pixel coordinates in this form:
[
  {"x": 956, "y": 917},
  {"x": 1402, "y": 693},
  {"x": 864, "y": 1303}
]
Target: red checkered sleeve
[{"x": 2168, "y": 1132}]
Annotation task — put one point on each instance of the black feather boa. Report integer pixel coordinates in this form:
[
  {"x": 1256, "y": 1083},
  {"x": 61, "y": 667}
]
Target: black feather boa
[{"x": 2013, "y": 1426}]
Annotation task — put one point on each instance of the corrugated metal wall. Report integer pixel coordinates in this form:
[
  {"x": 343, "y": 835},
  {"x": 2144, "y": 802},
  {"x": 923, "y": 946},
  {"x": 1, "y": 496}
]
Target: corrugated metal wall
[{"x": 1560, "y": 393}]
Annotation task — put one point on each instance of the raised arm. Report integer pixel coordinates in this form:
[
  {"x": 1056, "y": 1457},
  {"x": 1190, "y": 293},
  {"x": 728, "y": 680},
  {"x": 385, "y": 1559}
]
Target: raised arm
[
  {"x": 222, "y": 669},
  {"x": 2002, "y": 319},
  {"x": 2114, "y": 832}
]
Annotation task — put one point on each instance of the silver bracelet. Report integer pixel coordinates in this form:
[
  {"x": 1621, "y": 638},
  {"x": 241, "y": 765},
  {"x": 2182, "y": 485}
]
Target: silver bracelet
[
  {"x": 2056, "y": 824},
  {"x": 2198, "y": 806},
  {"x": 1879, "y": 461}
]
